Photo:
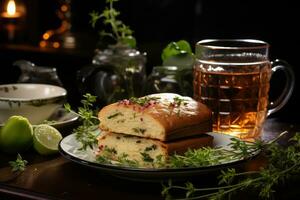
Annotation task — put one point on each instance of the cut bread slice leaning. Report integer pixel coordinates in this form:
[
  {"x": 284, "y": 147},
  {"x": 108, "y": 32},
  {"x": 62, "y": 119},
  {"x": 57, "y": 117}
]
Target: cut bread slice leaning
[{"x": 163, "y": 116}]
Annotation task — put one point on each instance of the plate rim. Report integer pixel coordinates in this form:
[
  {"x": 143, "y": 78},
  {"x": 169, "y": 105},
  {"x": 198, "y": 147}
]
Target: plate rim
[
  {"x": 120, "y": 168},
  {"x": 57, "y": 124}
]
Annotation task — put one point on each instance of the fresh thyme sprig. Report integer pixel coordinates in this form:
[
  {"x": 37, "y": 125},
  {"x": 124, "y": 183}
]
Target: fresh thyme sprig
[
  {"x": 284, "y": 163},
  {"x": 110, "y": 154},
  {"x": 120, "y": 32},
  {"x": 19, "y": 165},
  {"x": 86, "y": 133}
]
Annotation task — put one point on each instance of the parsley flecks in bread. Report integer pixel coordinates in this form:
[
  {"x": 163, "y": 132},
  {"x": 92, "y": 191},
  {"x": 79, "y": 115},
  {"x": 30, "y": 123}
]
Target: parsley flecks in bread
[
  {"x": 145, "y": 152},
  {"x": 163, "y": 116}
]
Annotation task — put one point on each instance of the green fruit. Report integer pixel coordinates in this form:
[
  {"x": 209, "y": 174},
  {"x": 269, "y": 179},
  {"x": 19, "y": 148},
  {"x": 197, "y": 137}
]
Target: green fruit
[
  {"x": 46, "y": 139},
  {"x": 16, "y": 135}
]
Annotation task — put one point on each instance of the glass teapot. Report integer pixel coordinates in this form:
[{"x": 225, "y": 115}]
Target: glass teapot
[
  {"x": 30, "y": 73},
  {"x": 116, "y": 73}
]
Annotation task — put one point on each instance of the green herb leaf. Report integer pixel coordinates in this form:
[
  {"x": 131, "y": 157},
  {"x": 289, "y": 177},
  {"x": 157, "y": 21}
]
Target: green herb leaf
[
  {"x": 143, "y": 101},
  {"x": 86, "y": 133},
  {"x": 284, "y": 163},
  {"x": 125, "y": 161},
  {"x": 129, "y": 40},
  {"x": 176, "y": 48},
  {"x": 19, "y": 164},
  {"x": 119, "y": 31}
]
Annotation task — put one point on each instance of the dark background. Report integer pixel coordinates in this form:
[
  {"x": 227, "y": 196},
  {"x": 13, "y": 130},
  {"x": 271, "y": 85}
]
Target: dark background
[{"x": 155, "y": 24}]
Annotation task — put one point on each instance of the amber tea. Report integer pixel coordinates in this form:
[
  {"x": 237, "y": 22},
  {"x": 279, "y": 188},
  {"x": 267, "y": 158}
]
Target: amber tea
[
  {"x": 238, "y": 98},
  {"x": 232, "y": 77}
]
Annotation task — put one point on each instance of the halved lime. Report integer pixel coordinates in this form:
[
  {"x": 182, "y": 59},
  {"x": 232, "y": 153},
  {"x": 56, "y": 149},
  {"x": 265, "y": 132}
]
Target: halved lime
[
  {"x": 16, "y": 135},
  {"x": 46, "y": 139}
]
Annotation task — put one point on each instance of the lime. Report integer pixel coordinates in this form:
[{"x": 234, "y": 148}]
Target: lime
[
  {"x": 46, "y": 139},
  {"x": 16, "y": 135}
]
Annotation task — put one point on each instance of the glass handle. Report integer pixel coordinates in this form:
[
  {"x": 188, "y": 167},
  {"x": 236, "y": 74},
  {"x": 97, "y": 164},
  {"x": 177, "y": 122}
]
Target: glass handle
[{"x": 282, "y": 65}]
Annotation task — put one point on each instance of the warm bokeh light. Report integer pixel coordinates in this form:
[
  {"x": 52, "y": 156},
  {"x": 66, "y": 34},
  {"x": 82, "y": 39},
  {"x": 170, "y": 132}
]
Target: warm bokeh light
[
  {"x": 56, "y": 44},
  {"x": 42, "y": 44},
  {"x": 46, "y": 36},
  {"x": 64, "y": 8}
]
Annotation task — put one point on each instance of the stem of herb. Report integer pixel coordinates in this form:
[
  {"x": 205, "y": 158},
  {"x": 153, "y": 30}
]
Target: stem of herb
[{"x": 114, "y": 28}]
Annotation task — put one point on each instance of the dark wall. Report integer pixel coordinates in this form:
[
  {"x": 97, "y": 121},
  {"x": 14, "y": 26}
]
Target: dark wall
[
  {"x": 272, "y": 21},
  {"x": 157, "y": 22}
]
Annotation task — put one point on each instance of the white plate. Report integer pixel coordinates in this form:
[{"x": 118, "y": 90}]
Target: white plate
[{"x": 69, "y": 148}]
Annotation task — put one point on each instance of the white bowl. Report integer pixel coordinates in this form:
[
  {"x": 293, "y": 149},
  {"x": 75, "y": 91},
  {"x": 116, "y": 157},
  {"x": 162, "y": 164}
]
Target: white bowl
[{"x": 37, "y": 102}]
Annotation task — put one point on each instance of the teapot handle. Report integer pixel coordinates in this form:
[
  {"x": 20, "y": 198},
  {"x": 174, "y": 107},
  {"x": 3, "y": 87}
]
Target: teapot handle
[
  {"x": 24, "y": 64},
  {"x": 26, "y": 68}
]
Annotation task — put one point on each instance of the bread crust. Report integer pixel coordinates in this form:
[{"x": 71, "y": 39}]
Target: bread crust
[{"x": 172, "y": 114}]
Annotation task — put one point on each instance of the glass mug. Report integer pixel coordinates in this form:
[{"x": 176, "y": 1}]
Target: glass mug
[{"x": 232, "y": 77}]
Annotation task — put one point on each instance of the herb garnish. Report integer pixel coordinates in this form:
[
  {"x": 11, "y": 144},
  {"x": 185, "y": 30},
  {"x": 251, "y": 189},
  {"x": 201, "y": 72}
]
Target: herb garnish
[
  {"x": 109, "y": 154},
  {"x": 177, "y": 102},
  {"x": 125, "y": 161},
  {"x": 144, "y": 101},
  {"x": 85, "y": 133},
  {"x": 284, "y": 163},
  {"x": 19, "y": 164},
  {"x": 205, "y": 156}
]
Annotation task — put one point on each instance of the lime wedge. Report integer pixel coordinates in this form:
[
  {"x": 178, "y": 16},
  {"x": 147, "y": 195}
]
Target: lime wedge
[
  {"x": 46, "y": 139},
  {"x": 16, "y": 135}
]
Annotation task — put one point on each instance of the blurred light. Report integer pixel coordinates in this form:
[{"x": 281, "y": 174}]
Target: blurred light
[
  {"x": 64, "y": 8},
  {"x": 42, "y": 44},
  {"x": 46, "y": 36},
  {"x": 56, "y": 45}
]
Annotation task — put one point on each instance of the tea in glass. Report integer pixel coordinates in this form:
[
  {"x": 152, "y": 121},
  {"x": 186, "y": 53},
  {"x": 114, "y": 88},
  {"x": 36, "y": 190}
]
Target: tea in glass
[{"x": 232, "y": 77}]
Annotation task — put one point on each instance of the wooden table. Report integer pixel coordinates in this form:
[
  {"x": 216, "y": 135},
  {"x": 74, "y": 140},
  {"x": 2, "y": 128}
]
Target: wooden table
[{"x": 55, "y": 177}]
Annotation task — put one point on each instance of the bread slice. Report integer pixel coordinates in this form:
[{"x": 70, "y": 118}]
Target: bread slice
[
  {"x": 163, "y": 116},
  {"x": 145, "y": 151}
]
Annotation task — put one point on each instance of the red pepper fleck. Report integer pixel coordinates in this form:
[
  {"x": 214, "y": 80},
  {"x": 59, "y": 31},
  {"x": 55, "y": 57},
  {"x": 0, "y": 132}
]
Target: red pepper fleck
[
  {"x": 125, "y": 102},
  {"x": 141, "y": 119},
  {"x": 171, "y": 105}
]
